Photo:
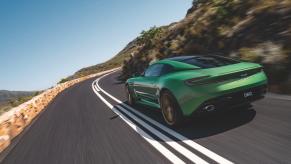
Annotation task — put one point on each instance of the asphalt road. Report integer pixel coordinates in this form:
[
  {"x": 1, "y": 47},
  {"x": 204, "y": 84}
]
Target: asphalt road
[{"x": 80, "y": 126}]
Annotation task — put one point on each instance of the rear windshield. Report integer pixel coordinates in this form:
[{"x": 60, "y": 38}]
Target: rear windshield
[{"x": 209, "y": 61}]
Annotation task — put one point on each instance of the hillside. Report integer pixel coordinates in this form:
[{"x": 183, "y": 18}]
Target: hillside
[
  {"x": 10, "y": 99},
  {"x": 116, "y": 61},
  {"x": 11, "y": 95},
  {"x": 257, "y": 31}
]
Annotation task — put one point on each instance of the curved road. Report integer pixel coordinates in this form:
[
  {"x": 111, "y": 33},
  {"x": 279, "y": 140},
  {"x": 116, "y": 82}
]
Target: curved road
[{"x": 90, "y": 123}]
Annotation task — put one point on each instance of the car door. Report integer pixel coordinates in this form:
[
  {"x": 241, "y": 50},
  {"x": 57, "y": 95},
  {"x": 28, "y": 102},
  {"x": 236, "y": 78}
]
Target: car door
[{"x": 146, "y": 87}]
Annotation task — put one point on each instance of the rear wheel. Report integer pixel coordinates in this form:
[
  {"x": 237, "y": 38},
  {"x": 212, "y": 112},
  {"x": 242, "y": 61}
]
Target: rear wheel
[
  {"x": 130, "y": 99},
  {"x": 170, "y": 109}
]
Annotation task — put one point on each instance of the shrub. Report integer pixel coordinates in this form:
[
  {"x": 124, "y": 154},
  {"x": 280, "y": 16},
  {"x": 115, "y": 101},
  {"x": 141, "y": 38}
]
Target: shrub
[
  {"x": 63, "y": 81},
  {"x": 147, "y": 36}
]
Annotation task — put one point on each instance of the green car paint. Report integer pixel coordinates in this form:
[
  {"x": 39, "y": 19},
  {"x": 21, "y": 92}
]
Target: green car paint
[{"x": 193, "y": 86}]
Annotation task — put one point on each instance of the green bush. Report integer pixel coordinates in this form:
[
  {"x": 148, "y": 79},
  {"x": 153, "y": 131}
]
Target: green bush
[
  {"x": 222, "y": 12},
  {"x": 63, "y": 81},
  {"x": 147, "y": 36},
  {"x": 195, "y": 2}
]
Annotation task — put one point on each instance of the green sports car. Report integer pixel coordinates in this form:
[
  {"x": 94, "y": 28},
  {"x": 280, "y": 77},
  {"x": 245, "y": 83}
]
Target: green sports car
[{"x": 187, "y": 85}]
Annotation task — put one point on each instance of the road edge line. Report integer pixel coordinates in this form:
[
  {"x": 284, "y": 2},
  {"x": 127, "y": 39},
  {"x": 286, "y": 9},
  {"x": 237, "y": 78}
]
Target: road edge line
[{"x": 159, "y": 147}]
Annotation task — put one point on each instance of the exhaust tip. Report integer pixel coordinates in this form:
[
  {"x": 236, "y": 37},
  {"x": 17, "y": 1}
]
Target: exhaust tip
[{"x": 209, "y": 108}]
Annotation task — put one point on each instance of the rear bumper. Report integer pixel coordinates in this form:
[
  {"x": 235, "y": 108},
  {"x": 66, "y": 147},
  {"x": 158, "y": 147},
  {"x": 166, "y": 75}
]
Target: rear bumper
[
  {"x": 231, "y": 100},
  {"x": 221, "y": 94}
]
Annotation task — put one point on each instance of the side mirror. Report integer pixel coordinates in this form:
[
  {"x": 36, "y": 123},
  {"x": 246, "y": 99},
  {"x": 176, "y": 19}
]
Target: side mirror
[
  {"x": 138, "y": 75},
  {"x": 142, "y": 74}
]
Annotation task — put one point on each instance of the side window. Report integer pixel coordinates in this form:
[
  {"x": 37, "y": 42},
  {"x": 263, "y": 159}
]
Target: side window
[
  {"x": 147, "y": 72},
  {"x": 154, "y": 70},
  {"x": 166, "y": 69},
  {"x": 158, "y": 70}
]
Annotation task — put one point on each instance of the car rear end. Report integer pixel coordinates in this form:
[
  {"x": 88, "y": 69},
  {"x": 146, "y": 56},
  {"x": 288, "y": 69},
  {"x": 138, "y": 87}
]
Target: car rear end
[
  {"x": 218, "y": 88},
  {"x": 232, "y": 88}
]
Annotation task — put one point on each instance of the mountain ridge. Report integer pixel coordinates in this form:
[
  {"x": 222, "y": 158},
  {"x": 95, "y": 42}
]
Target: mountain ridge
[{"x": 6, "y": 95}]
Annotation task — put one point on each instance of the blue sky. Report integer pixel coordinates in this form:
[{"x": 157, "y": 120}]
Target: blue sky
[{"x": 42, "y": 41}]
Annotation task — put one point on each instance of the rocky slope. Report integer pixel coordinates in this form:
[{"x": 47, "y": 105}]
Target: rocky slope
[{"x": 253, "y": 30}]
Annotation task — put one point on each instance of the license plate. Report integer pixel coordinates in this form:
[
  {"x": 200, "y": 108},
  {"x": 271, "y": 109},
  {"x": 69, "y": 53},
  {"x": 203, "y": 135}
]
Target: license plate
[{"x": 248, "y": 94}]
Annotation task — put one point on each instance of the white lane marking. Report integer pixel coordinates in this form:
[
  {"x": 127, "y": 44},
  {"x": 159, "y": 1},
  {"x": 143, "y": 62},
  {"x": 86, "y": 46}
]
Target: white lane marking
[
  {"x": 182, "y": 150},
  {"x": 163, "y": 150},
  {"x": 97, "y": 89},
  {"x": 184, "y": 139},
  {"x": 185, "y": 152}
]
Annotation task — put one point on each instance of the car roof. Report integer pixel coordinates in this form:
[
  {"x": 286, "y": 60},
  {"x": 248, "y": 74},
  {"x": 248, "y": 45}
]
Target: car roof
[
  {"x": 181, "y": 58},
  {"x": 176, "y": 62}
]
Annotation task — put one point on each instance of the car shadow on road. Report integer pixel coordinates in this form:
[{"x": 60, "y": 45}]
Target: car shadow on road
[
  {"x": 212, "y": 124},
  {"x": 206, "y": 125}
]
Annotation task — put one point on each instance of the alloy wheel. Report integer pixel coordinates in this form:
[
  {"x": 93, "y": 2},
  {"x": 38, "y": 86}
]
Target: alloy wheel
[{"x": 168, "y": 110}]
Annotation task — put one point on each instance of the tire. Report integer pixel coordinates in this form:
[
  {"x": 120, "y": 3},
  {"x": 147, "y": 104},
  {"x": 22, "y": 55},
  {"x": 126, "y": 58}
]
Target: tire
[
  {"x": 171, "y": 110},
  {"x": 130, "y": 99}
]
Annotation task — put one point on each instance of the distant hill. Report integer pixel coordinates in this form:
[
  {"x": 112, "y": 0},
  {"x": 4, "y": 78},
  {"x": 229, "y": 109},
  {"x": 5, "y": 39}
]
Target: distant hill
[
  {"x": 12, "y": 95},
  {"x": 10, "y": 99},
  {"x": 114, "y": 62}
]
